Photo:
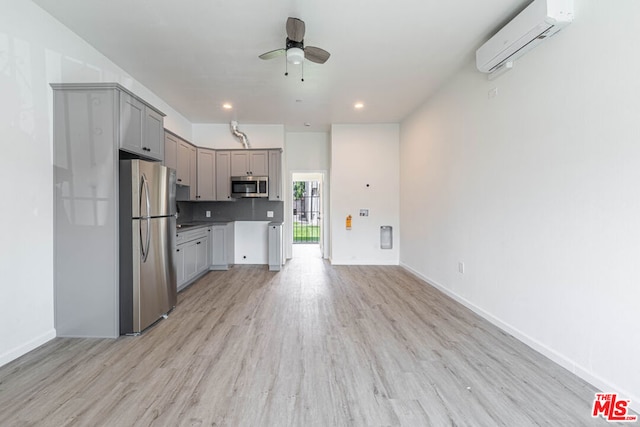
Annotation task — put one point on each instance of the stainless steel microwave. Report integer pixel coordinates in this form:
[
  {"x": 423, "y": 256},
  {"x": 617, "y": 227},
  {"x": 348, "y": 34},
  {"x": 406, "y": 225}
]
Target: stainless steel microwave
[{"x": 249, "y": 186}]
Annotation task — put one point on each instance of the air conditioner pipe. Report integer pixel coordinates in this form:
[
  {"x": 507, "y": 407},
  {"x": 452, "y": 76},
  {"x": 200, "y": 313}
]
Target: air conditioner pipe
[{"x": 241, "y": 135}]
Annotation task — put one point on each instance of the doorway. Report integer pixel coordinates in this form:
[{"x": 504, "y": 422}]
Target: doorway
[{"x": 307, "y": 230}]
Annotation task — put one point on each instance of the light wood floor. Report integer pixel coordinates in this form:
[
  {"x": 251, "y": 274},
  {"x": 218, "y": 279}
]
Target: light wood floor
[{"x": 312, "y": 345}]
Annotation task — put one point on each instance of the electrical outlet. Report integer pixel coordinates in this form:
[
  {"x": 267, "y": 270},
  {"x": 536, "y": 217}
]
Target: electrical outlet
[
  {"x": 208, "y": 214},
  {"x": 461, "y": 267},
  {"x": 269, "y": 214}
]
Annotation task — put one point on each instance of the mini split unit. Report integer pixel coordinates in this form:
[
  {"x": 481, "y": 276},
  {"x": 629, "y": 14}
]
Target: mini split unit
[{"x": 537, "y": 22}]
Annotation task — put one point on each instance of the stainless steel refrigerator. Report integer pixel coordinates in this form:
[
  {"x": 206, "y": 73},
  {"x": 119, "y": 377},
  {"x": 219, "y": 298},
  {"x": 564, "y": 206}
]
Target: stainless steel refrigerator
[{"x": 147, "y": 240}]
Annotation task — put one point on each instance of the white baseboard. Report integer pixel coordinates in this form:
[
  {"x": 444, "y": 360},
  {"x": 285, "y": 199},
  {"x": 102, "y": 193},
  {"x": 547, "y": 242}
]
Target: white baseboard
[
  {"x": 361, "y": 262},
  {"x": 26, "y": 347},
  {"x": 600, "y": 383}
]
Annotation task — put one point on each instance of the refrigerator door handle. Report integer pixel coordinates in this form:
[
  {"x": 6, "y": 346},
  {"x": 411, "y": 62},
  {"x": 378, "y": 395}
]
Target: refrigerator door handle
[{"x": 145, "y": 188}]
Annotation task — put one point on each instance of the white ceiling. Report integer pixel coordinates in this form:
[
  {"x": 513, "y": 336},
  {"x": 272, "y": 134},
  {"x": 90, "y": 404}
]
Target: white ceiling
[{"x": 197, "y": 54}]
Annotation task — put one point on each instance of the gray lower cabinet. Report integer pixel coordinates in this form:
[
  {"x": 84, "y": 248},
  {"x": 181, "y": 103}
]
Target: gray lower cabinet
[
  {"x": 192, "y": 255},
  {"x": 275, "y": 247},
  {"x": 221, "y": 245},
  {"x": 88, "y": 127}
]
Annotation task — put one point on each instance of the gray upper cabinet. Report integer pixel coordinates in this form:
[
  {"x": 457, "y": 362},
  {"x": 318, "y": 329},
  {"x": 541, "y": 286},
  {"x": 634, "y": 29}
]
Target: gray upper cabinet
[
  {"x": 223, "y": 175},
  {"x": 193, "y": 172},
  {"x": 206, "y": 174},
  {"x": 182, "y": 156},
  {"x": 141, "y": 128},
  {"x": 170, "y": 150},
  {"x": 249, "y": 162},
  {"x": 183, "y": 167},
  {"x": 275, "y": 175}
]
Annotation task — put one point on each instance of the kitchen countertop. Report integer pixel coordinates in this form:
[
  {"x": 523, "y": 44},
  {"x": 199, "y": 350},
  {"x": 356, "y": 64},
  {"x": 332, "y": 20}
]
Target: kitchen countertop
[{"x": 198, "y": 224}]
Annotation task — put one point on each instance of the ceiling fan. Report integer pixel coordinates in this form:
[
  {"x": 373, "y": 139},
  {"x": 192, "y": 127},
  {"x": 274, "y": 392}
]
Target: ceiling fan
[{"x": 294, "y": 48}]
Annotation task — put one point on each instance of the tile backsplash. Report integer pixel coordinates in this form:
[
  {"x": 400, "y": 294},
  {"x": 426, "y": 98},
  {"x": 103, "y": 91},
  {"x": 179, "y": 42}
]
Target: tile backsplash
[{"x": 239, "y": 210}]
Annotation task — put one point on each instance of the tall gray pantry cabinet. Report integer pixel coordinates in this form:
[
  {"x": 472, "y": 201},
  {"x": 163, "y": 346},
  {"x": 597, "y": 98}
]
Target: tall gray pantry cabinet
[{"x": 92, "y": 124}]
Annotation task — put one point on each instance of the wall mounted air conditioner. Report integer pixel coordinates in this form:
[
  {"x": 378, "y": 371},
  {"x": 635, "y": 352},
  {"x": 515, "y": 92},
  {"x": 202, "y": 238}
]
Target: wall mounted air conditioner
[{"x": 540, "y": 20}]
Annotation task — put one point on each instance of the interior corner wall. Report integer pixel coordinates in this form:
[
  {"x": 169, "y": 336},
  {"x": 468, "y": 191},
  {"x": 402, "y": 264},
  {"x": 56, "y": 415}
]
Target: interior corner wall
[
  {"x": 536, "y": 190},
  {"x": 35, "y": 50},
  {"x": 365, "y": 175},
  {"x": 306, "y": 152}
]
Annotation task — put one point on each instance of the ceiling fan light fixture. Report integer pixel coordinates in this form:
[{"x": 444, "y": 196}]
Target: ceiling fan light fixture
[{"x": 295, "y": 55}]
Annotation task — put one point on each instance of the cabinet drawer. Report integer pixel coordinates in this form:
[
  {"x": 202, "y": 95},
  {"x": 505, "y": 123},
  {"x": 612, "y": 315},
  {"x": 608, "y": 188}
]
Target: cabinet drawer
[{"x": 189, "y": 235}]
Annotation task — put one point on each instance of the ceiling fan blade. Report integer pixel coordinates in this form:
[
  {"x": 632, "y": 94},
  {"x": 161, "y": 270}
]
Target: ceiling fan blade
[
  {"x": 295, "y": 29},
  {"x": 272, "y": 54},
  {"x": 315, "y": 54}
]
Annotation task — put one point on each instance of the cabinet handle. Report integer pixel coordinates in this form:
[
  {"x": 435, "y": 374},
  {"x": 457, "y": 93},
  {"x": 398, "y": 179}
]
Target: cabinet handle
[
  {"x": 177, "y": 250},
  {"x": 179, "y": 179},
  {"x": 198, "y": 243}
]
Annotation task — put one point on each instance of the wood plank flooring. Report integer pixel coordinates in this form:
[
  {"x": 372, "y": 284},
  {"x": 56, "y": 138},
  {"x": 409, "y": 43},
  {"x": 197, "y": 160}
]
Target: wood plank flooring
[{"x": 312, "y": 345}]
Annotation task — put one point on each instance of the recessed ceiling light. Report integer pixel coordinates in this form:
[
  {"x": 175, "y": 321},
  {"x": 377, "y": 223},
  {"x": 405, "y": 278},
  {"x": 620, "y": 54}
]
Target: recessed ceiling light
[
  {"x": 307, "y": 124},
  {"x": 227, "y": 106},
  {"x": 358, "y": 105}
]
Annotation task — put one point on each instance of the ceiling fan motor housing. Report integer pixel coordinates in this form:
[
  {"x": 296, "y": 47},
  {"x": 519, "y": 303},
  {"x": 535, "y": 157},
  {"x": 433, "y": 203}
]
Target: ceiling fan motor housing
[
  {"x": 291, "y": 43},
  {"x": 295, "y": 51}
]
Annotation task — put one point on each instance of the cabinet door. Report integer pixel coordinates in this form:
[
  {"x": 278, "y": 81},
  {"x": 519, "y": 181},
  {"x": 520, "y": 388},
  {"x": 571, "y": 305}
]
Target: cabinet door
[
  {"x": 206, "y": 174},
  {"x": 153, "y": 134},
  {"x": 190, "y": 260},
  {"x": 180, "y": 273},
  {"x": 193, "y": 173},
  {"x": 141, "y": 128},
  {"x": 183, "y": 169},
  {"x": 275, "y": 247},
  {"x": 202, "y": 255},
  {"x": 132, "y": 119},
  {"x": 223, "y": 175},
  {"x": 275, "y": 175},
  {"x": 171, "y": 151},
  {"x": 231, "y": 239},
  {"x": 240, "y": 163},
  {"x": 219, "y": 247},
  {"x": 259, "y": 163}
]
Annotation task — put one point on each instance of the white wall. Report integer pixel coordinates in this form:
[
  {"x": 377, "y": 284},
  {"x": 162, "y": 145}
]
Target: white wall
[
  {"x": 306, "y": 152},
  {"x": 36, "y": 50},
  {"x": 537, "y": 191},
  {"x": 219, "y": 136},
  {"x": 364, "y": 155}
]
